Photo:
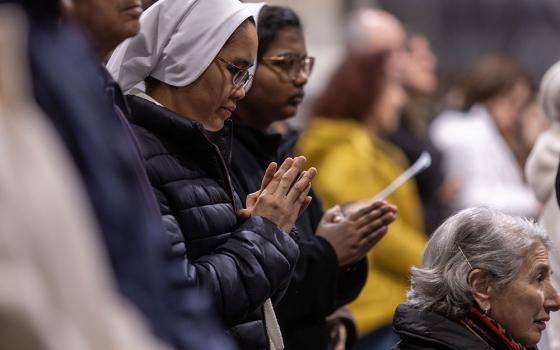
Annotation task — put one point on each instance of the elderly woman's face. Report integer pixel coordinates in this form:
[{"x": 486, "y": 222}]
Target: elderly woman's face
[
  {"x": 524, "y": 305},
  {"x": 212, "y": 98}
]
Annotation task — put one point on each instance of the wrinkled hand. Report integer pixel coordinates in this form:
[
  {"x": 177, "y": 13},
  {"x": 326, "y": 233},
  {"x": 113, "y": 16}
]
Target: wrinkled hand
[
  {"x": 278, "y": 200},
  {"x": 353, "y": 234}
]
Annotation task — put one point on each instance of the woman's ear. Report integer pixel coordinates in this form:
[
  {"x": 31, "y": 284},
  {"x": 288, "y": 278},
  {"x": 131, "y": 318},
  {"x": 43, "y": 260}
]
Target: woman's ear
[{"x": 481, "y": 289}]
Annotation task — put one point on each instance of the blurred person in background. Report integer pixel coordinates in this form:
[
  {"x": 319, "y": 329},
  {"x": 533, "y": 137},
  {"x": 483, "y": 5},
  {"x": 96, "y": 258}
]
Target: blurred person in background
[
  {"x": 360, "y": 105},
  {"x": 459, "y": 30},
  {"x": 57, "y": 290},
  {"x": 484, "y": 283},
  {"x": 420, "y": 82},
  {"x": 331, "y": 269},
  {"x": 532, "y": 124},
  {"x": 371, "y": 31},
  {"x": 374, "y": 30},
  {"x": 481, "y": 146},
  {"x": 71, "y": 89},
  {"x": 194, "y": 76},
  {"x": 541, "y": 169}
]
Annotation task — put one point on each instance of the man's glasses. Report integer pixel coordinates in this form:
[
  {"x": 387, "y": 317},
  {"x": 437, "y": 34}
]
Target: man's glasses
[
  {"x": 292, "y": 65},
  {"x": 240, "y": 76}
]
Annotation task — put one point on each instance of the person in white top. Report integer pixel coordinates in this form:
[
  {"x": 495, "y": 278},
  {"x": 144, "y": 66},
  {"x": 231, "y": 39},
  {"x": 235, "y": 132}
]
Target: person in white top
[
  {"x": 479, "y": 145},
  {"x": 541, "y": 169}
]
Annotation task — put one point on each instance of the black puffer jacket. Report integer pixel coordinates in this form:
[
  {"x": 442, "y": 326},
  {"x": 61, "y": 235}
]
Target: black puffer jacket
[
  {"x": 318, "y": 286},
  {"x": 425, "y": 330},
  {"x": 240, "y": 263}
]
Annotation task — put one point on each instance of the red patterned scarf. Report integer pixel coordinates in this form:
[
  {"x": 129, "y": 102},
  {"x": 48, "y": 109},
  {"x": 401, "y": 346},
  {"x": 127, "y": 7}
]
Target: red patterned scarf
[{"x": 492, "y": 332}]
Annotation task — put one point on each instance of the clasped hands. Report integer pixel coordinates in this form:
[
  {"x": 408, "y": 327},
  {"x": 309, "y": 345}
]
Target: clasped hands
[
  {"x": 283, "y": 195},
  {"x": 352, "y": 229},
  {"x": 355, "y": 228}
]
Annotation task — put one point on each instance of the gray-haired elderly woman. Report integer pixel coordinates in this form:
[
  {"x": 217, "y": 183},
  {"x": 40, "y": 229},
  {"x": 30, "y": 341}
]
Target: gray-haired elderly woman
[{"x": 484, "y": 284}]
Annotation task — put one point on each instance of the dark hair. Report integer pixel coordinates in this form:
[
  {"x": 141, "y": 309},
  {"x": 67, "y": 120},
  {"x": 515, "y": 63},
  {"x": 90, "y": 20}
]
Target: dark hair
[
  {"x": 493, "y": 76},
  {"x": 273, "y": 19},
  {"x": 354, "y": 88},
  {"x": 151, "y": 83},
  {"x": 148, "y": 3}
]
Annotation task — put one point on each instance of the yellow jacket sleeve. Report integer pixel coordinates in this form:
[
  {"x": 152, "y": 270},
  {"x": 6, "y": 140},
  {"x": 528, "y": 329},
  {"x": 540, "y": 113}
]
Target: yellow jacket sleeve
[{"x": 346, "y": 175}]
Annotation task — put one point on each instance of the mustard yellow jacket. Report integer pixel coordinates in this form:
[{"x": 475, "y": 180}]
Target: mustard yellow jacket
[{"x": 354, "y": 165}]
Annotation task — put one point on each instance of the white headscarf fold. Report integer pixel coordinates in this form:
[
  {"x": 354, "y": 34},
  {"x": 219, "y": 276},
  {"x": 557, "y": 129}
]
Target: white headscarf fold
[{"x": 178, "y": 40}]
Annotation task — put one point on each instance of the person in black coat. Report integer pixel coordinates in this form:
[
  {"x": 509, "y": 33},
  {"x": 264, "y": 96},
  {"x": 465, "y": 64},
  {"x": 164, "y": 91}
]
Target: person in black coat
[
  {"x": 242, "y": 255},
  {"x": 485, "y": 283},
  {"x": 70, "y": 91},
  {"x": 444, "y": 334},
  {"x": 328, "y": 274}
]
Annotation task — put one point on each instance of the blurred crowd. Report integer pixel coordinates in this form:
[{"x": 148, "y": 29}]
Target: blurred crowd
[{"x": 155, "y": 195}]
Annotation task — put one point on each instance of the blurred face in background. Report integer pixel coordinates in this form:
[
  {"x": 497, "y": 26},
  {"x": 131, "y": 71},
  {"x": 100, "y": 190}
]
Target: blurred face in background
[
  {"x": 387, "y": 109},
  {"x": 280, "y": 77},
  {"x": 374, "y": 31},
  {"x": 419, "y": 68},
  {"x": 507, "y": 107},
  {"x": 106, "y": 22}
]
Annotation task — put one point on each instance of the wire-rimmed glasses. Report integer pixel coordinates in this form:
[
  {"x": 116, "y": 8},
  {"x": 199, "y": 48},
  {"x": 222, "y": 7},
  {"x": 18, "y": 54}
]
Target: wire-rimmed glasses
[
  {"x": 292, "y": 65},
  {"x": 240, "y": 76}
]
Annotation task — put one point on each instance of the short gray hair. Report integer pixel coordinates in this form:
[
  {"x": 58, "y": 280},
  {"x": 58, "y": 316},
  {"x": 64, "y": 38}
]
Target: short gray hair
[{"x": 473, "y": 238}]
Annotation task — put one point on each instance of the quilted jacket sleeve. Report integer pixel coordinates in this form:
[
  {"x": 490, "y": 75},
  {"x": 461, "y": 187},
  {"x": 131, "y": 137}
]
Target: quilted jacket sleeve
[{"x": 254, "y": 263}]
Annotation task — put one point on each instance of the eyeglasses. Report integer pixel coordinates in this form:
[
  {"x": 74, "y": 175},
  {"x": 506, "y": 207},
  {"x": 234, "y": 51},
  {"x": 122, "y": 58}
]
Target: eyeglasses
[
  {"x": 292, "y": 65},
  {"x": 240, "y": 76}
]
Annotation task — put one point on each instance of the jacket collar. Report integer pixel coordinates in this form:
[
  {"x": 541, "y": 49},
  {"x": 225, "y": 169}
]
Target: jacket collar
[
  {"x": 113, "y": 91},
  {"x": 176, "y": 128},
  {"x": 410, "y": 322},
  {"x": 264, "y": 145}
]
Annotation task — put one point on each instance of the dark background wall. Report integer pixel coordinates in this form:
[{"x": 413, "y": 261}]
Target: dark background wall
[{"x": 461, "y": 31}]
